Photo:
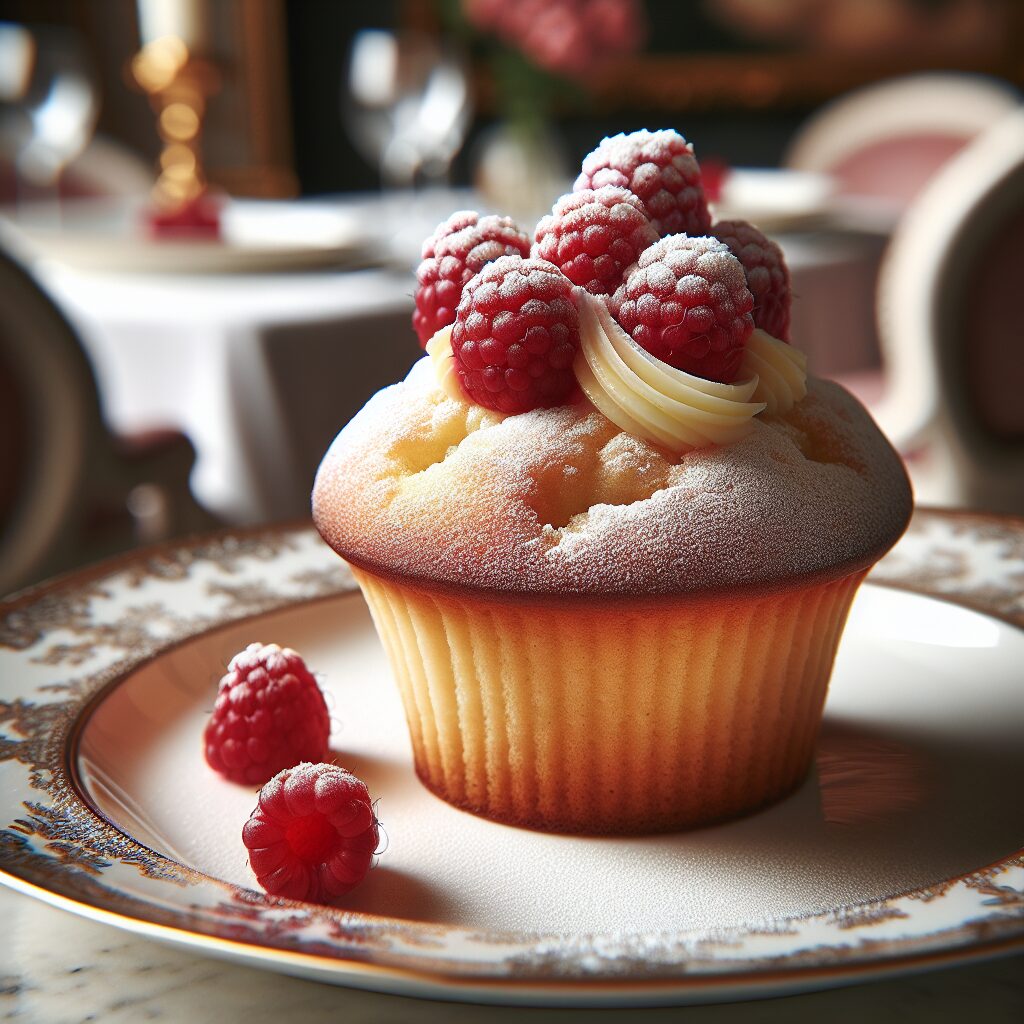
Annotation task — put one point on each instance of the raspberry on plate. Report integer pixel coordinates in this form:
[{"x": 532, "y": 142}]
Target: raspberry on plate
[
  {"x": 459, "y": 248},
  {"x": 313, "y": 834},
  {"x": 661, "y": 170},
  {"x": 593, "y": 235},
  {"x": 767, "y": 274},
  {"x": 269, "y": 714},
  {"x": 686, "y": 301},
  {"x": 516, "y": 335}
]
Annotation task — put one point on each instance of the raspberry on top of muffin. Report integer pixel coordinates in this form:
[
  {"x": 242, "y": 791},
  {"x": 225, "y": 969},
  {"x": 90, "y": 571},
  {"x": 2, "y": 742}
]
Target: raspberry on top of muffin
[{"x": 672, "y": 326}]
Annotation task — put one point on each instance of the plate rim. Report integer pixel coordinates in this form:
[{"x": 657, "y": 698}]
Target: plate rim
[
  {"x": 655, "y": 991},
  {"x": 675, "y": 986}
]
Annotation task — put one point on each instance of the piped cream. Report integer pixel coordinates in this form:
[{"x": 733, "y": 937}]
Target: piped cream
[{"x": 652, "y": 400}]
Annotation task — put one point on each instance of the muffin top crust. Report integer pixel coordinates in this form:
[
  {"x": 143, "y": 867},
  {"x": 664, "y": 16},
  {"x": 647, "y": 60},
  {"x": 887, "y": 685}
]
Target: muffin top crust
[{"x": 448, "y": 495}]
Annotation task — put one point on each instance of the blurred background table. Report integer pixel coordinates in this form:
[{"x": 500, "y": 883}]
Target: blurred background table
[{"x": 259, "y": 373}]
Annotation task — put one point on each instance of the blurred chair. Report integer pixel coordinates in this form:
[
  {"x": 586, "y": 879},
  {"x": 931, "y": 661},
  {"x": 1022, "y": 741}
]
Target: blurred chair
[
  {"x": 71, "y": 492},
  {"x": 951, "y": 328},
  {"x": 883, "y": 142}
]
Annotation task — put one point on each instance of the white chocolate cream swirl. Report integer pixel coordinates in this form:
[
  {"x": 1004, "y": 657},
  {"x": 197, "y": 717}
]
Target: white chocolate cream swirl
[
  {"x": 650, "y": 399},
  {"x": 780, "y": 370},
  {"x": 439, "y": 348},
  {"x": 655, "y": 401}
]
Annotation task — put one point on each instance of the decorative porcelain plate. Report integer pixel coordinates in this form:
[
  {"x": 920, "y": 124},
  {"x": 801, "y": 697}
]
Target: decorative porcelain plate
[{"x": 902, "y": 851}]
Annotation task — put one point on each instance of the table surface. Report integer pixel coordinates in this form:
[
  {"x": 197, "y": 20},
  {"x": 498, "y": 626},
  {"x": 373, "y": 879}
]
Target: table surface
[{"x": 57, "y": 967}]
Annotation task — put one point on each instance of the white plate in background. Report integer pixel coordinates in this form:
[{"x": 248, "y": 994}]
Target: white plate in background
[
  {"x": 257, "y": 236},
  {"x": 775, "y": 199}
]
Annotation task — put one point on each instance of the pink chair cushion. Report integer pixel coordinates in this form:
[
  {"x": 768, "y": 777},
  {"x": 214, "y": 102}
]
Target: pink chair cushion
[{"x": 895, "y": 168}]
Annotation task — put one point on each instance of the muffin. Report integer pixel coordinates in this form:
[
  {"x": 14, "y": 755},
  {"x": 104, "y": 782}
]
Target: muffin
[{"x": 615, "y": 610}]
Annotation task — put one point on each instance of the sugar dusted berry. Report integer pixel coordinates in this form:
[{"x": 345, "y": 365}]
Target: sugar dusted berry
[
  {"x": 660, "y": 169},
  {"x": 516, "y": 335},
  {"x": 313, "y": 834},
  {"x": 269, "y": 714},
  {"x": 458, "y": 249},
  {"x": 766, "y": 271},
  {"x": 594, "y": 235},
  {"x": 686, "y": 301}
]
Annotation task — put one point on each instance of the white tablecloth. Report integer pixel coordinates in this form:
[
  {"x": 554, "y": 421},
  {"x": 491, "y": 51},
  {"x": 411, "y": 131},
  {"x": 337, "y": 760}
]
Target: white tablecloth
[{"x": 259, "y": 371}]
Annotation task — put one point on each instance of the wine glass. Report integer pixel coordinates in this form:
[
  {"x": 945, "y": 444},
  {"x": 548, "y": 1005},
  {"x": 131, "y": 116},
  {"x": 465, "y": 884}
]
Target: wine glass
[
  {"x": 48, "y": 104},
  {"x": 406, "y": 104}
]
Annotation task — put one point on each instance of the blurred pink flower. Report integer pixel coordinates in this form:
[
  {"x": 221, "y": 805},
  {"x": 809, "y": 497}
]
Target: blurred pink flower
[{"x": 568, "y": 37}]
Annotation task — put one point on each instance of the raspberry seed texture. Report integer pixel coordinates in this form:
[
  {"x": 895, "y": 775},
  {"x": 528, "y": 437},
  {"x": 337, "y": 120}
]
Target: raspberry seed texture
[
  {"x": 459, "y": 248},
  {"x": 516, "y": 335},
  {"x": 594, "y": 235},
  {"x": 269, "y": 715},
  {"x": 686, "y": 301},
  {"x": 313, "y": 834},
  {"x": 766, "y": 271},
  {"x": 661, "y": 170}
]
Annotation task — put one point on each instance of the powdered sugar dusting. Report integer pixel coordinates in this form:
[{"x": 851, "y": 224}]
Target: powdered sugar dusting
[
  {"x": 686, "y": 301},
  {"x": 660, "y": 168},
  {"x": 767, "y": 274},
  {"x": 594, "y": 235},
  {"x": 515, "y": 336},
  {"x": 559, "y": 501},
  {"x": 459, "y": 248}
]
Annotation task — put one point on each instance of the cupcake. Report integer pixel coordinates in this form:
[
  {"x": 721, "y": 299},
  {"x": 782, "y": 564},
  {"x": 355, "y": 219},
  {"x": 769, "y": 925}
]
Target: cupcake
[{"x": 609, "y": 537}]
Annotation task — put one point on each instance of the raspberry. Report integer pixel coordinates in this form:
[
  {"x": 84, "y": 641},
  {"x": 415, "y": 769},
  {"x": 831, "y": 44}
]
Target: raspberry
[
  {"x": 593, "y": 236},
  {"x": 269, "y": 714},
  {"x": 458, "y": 249},
  {"x": 660, "y": 169},
  {"x": 686, "y": 301},
  {"x": 313, "y": 834},
  {"x": 516, "y": 335},
  {"x": 766, "y": 270}
]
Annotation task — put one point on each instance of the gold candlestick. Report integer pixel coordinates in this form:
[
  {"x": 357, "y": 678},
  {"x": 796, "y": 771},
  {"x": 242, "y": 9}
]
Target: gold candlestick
[{"x": 178, "y": 85}]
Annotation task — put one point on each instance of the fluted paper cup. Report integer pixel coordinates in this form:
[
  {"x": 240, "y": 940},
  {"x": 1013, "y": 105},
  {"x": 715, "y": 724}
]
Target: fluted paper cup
[{"x": 633, "y": 717}]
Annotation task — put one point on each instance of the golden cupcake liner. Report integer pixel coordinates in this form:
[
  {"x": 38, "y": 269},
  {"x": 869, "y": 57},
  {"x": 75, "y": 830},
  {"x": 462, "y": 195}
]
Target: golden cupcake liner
[{"x": 576, "y": 717}]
